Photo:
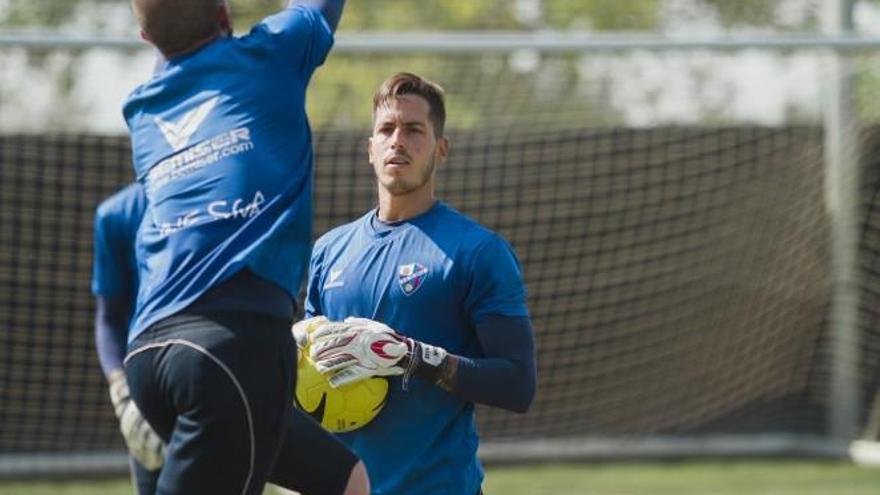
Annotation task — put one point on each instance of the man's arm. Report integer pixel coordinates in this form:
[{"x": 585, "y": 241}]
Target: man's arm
[
  {"x": 115, "y": 223},
  {"x": 111, "y": 331},
  {"x": 506, "y": 377},
  {"x": 330, "y": 9},
  {"x": 364, "y": 348}
]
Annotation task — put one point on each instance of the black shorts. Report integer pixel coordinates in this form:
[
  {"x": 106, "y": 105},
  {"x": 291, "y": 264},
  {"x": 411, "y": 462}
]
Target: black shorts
[
  {"x": 312, "y": 460},
  {"x": 218, "y": 389}
]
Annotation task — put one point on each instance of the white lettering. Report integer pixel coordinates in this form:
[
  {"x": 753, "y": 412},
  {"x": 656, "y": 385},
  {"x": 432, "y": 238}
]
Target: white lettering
[
  {"x": 220, "y": 209},
  {"x": 240, "y": 134},
  {"x": 182, "y": 222},
  {"x": 201, "y": 155}
]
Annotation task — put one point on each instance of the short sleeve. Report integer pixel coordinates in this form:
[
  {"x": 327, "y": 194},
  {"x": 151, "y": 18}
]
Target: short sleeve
[
  {"x": 313, "y": 293},
  {"x": 495, "y": 282},
  {"x": 300, "y": 33},
  {"x": 109, "y": 265}
]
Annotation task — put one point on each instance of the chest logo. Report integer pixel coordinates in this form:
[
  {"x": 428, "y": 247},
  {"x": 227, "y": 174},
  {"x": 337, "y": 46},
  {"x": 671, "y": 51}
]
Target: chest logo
[
  {"x": 410, "y": 277},
  {"x": 178, "y": 133},
  {"x": 334, "y": 279}
]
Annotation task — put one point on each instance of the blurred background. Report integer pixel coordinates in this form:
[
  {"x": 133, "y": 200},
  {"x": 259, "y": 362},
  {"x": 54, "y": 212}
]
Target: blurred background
[
  {"x": 691, "y": 186},
  {"x": 80, "y": 88}
]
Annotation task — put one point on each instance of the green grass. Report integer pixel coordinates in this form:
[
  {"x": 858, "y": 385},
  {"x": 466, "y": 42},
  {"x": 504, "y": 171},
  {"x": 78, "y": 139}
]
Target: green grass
[
  {"x": 685, "y": 478},
  {"x": 689, "y": 478}
]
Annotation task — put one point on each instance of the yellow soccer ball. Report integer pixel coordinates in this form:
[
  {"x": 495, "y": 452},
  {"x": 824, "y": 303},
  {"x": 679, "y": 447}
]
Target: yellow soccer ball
[{"x": 346, "y": 408}]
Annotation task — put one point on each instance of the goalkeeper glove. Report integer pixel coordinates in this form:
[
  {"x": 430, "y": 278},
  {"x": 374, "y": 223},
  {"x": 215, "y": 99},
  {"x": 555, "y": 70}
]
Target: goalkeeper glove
[
  {"x": 367, "y": 348},
  {"x": 142, "y": 441},
  {"x": 303, "y": 330}
]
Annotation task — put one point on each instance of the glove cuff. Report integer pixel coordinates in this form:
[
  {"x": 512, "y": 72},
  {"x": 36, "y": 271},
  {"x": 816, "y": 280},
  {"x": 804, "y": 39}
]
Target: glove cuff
[{"x": 425, "y": 361}]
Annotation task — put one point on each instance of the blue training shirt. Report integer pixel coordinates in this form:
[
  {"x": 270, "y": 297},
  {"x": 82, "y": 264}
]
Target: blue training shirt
[
  {"x": 221, "y": 142},
  {"x": 114, "y": 268},
  {"x": 115, "y": 271},
  {"x": 433, "y": 278}
]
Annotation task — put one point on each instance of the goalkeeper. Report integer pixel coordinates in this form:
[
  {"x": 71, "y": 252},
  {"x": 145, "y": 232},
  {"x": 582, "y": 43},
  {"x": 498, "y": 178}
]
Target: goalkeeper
[
  {"x": 450, "y": 297},
  {"x": 310, "y": 461},
  {"x": 222, "y": 146},
  {"x": 114, "y": 285}
]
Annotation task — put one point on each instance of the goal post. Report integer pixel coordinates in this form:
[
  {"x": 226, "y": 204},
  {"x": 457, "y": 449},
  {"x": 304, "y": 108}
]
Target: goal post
[{"x": 842, "y": 179}]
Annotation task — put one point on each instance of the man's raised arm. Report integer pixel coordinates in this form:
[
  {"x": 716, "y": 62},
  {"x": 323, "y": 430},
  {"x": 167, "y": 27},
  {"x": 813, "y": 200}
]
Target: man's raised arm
[{"x": 330, "y": 9}]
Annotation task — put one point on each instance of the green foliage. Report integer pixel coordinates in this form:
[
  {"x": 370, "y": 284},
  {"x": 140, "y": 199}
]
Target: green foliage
[
  {"x": 761, "y": 13},
  {"x": 867, "y": 90},
  {"x": 395, "y": 15},
  {"x": 342, "y": 90},
  {"x": 602, "y": 15},
  {"x": 753, "y": 12},
  {"x": 36, "y": 13},
  {"x": 246, "y": 13},
  {"x": 434, "y": 15}
]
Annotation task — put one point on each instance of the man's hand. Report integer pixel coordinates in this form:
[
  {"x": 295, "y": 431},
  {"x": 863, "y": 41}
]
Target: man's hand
[
  {"x": 357, "y": 350},
  {"x": 143, "y": 443},
  {"x": 367, "y": 348},
  {"x": 302, "y": 330}
]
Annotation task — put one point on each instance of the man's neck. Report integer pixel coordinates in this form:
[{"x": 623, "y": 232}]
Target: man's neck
[
  {"x": 398, "y": 208},
  {"x": 195, "y": 46}
]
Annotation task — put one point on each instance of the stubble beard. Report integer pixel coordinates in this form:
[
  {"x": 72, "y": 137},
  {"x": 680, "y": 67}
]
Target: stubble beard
[{"x": 400, "y": 187}]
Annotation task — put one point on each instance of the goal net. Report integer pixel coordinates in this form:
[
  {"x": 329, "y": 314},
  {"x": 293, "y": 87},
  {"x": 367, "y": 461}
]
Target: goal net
[{"x": 669, "y": 208}]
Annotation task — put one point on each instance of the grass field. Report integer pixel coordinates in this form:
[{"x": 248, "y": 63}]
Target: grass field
[{"x": 685, "y": 478}]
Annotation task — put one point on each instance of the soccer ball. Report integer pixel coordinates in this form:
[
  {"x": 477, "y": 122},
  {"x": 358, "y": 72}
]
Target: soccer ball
[{"x": 346, "y": 408}]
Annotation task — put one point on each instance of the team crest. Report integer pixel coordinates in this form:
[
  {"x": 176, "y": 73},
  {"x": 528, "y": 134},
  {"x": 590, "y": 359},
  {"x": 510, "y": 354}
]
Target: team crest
[{"x": 410, "y": 277}]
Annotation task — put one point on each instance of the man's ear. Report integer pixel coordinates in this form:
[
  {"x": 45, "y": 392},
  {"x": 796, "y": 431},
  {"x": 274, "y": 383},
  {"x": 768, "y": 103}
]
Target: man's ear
[
  {"x": 442, "y": 149},
  {"x": 370, "y": 149},
  {"x": 224, "y": 17},
  {"x": 145, "y": 36}
]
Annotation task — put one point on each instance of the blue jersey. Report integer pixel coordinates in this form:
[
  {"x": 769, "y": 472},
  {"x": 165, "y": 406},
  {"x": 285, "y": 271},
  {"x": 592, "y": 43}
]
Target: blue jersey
[
  {"x": 221, "y": 142},
  {"x": 114, "y": 269},
  {"x": 433, "y": 278}
]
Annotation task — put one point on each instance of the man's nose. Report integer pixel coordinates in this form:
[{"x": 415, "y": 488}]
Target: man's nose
[{"x": 397, "y": 141}]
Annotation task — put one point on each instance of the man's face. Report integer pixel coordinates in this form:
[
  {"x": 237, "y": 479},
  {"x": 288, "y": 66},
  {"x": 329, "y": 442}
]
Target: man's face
[{"x": 403, "y": 148}]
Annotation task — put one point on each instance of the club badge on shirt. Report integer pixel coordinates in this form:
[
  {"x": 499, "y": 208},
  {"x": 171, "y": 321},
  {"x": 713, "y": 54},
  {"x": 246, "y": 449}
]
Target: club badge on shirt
[{"x": 410, "y": 277}]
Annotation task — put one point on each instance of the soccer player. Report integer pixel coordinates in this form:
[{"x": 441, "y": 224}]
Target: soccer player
[
  {"x": 221, "y": 144},
  {"x": 114, "y": 284},
  {"x": 302, "y": 464},
  {"x": 445, "y": 303}
]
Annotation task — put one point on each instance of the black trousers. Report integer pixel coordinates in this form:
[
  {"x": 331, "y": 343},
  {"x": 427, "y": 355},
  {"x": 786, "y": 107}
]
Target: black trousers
[
  {"x": 192, "y": 375},
  {"x": 218, "y": 390}
]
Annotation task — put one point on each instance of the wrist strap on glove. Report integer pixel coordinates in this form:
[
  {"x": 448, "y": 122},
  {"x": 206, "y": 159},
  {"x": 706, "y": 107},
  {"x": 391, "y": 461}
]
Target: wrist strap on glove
[{"x": 425, "y": 361}]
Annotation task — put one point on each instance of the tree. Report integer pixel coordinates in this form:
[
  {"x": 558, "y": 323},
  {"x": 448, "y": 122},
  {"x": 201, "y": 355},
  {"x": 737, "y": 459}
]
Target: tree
[{"x": 483, "y": 89}]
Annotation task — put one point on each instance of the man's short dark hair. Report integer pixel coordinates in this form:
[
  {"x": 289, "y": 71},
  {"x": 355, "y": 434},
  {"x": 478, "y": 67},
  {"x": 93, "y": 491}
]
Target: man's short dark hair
[
  {"x": 173, "y": 26},
  {"x": 406, "y": 83}
]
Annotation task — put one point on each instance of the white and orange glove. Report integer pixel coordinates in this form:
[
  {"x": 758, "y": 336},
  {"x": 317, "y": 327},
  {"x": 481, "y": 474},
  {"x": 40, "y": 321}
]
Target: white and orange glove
[{"x": 361, "y": 348}]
